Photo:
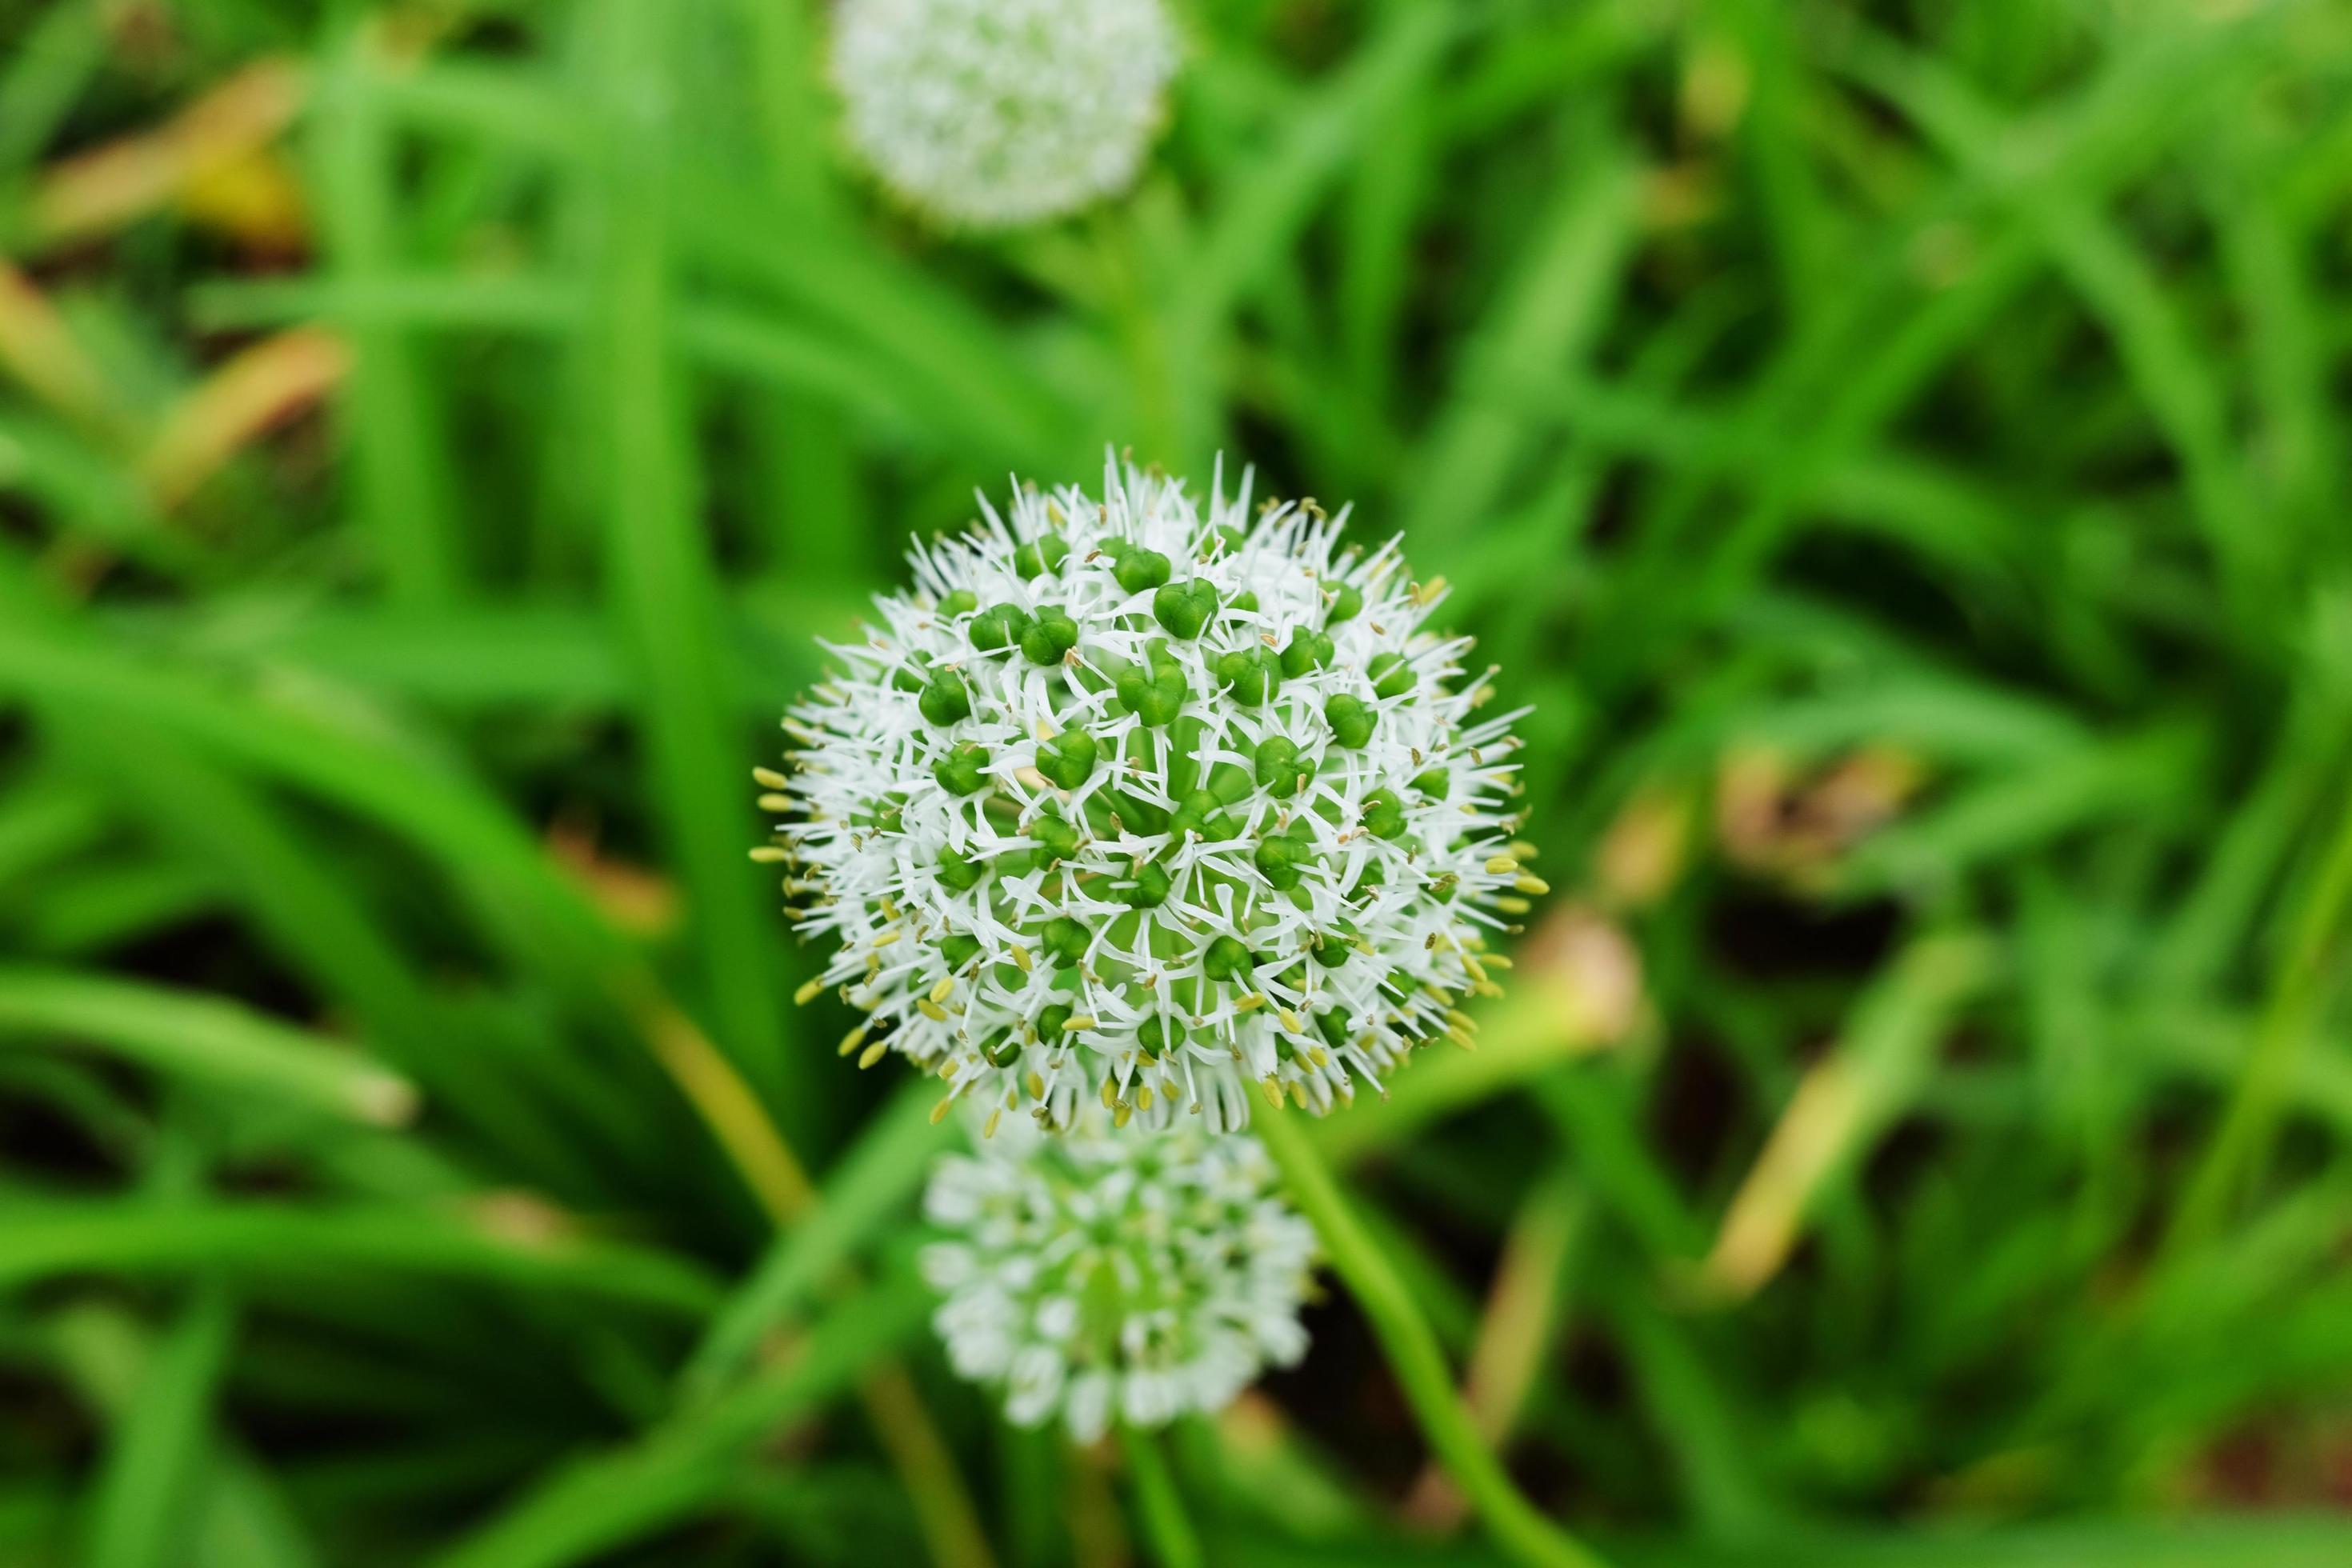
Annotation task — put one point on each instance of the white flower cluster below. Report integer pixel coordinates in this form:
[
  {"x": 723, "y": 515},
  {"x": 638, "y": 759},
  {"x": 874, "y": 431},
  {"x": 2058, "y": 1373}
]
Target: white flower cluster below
[{"x": 1130, "y": 1274}]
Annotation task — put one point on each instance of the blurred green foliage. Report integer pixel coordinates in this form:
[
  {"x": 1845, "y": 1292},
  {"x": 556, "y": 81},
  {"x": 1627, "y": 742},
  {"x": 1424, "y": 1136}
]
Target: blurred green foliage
[{"x": 1897, "y": 450}]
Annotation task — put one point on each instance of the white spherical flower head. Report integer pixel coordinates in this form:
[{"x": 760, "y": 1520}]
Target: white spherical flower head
[
  {"x": 992, "y": 113},
  {"x": 1137, "y": 1274},
  {"x": 1134, "y": 802}
]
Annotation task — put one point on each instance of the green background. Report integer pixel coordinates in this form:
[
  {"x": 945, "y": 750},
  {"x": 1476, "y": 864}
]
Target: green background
[{"x": 1897, "y": 451}]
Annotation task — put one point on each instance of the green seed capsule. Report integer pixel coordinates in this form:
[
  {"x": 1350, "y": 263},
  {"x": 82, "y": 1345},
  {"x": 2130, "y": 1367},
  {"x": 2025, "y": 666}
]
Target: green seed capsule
[
  {"x": 1279, "y": 771},
  {"x": 1155, "y": 698},
  {"x": 1391, "y": 676},
  {"x": 1308, "y": 650},
  {"x": 1067, "y": 759},
  {"x": 959, "y": 948},
  {"x": 1056, "y": 839},
  {"x": 1431, "y": 781},
  {"x": 1250, "y": 674},
  {"x": 1202, "y": 812},
  {"x": 1352, "y": 720},
  {"x": 1333, "y": 1026},
  {"x": 1001, "y": 1049},
  {"x": 1245, "y": 601},
  {"x": 1226, "y": 958},
  {"x": 1041, "y": 555},
  {"x": 1232, "y": 538},
  {"x": 1347, "y": 604},
  {"x": 1046, "y": 638},
  {"x": 964, "y": 770},
  {"x": 1155, "y": 1036},
  {"x": 1184, "y": 608},
  {"x": 1148, "y": 884},
  {"x": 1139, "y": 569},
  {"x": 1279, "y": 860},
  {"x": 946, "y": 698},
  {"x": 1066, "y": 940},
  {"x": 963, "y": 601},
  {"x": 1050, "y": 1022},
  {"x": 1331, "y": 949},
  {"x": 1383, "y": 814},
  {"x": 999, "y": 626},
  {"x": 957, "y": 872}
]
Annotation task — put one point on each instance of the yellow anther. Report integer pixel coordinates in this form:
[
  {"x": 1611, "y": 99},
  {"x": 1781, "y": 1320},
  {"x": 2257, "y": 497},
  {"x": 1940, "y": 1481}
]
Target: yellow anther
[
  {"x": 931, "y": 1010},
  {"x": 1273, "y": 1087},
  {"x": 949, "y": 1068},
  {"x": 1511, "y": 905},
  {"x": 874, "y": 1053},
  {"x": 1535, "y": 887},
  {"x": 1290, "y": 1019},
  {"x": 773, "y": 801},
  {"x": 1079, "y": 1021},
  {"x": 988, "y": 1128},
  {"x": 771, "y": 854},
  {"x": 852, "y": 1040},
  {"x": 939, "y": 1111},
  {"x": 1110, "y": 1094},
  {"x": 1021, "y": 959},
  {"x": 1143, "y": 1097},
  {"x": 808, "y": 991},
  {"x": 1522, "y": 849},
  {"x": 888, "y": 937},
  {"x": 769, "y": 778},
  {"x": 1501, "y": 865},
  {"x": 944, "y": 989},
  {"x": 1121, "y": 1113},
  {"x": 1249, "y": 1002}
]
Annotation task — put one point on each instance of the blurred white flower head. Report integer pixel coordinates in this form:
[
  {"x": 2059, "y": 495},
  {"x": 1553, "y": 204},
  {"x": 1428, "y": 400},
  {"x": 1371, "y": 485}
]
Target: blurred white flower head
[
  {"x": 1139, "y": 803},
  {"x": 1130, "y": 1274},
  {"x": 995, "y": 113}
]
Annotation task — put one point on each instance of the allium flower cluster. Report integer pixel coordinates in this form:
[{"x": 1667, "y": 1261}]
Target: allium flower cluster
[
  {"x": 992, "y": 113},
  {"x": 1135, "y": 802},
  {"x": 1137, "y": 1274}
]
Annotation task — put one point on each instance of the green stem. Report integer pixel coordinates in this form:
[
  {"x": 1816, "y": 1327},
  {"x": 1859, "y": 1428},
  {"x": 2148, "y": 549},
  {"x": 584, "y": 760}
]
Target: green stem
[
  {"x": 1157, "y": 1504},
  {"x": 2238, "y": 1145},
  {"x": 1516, "y": 1524}
]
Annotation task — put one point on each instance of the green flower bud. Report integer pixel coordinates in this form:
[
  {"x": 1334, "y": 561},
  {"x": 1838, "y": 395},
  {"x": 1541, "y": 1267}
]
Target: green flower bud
[
  {"x": 1041, "y": 555},
  {"x": 1202, "y": 812},
  {"x": 1155, "y": 1038},
  {"x": 1050, "y": 1022},
  {"x": 1065, "y": 941},
  {"x": 1046, "y": 638},
  {"x": 1279, "y": 770},
  {"x": 1141, "y": 569},
  {"x": 1250, "y": 674},
  {"x": 1281, "y": 859},
  {"x": 1149, "y": 884},
  {"x": 959, "y": 948},
  {"x": 1306, "y": 650},
  {"x": 946, "y": 698},
  {"x": 1431, "y": 781},
  {"x": 1347, "y": 604},
  {"x": 1155, "y": 698},
  {"x": 964, "y": 770},
  {"x": 999, "y": 626},
  {"x": 1350, "y": 719},
  {"x": 1067, "y": 759},
  {"x": 1056, "y": 839},
  {"x": 1333, "y": 1026},
  {"x": 1226, "y": 958},
  {"x": 1383, "y": 814},
  {"x": 1184, "y": 608},
  {"x": 961, "y": 601},
  {"x": 1391, "y": 676},
  {"x": 958, "y": 873}
]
